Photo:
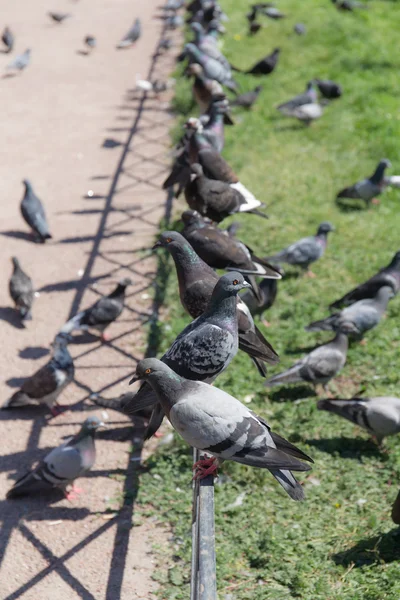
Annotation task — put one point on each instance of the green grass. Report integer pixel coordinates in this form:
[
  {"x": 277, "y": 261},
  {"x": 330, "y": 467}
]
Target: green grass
[{"x": 340, "y": 543}]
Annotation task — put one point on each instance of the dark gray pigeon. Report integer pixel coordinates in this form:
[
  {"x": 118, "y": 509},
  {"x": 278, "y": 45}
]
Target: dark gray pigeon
[
  {"x": 305, "y": 251},
  {"x": 132, "y": 36},
  {"x": 213, "y": 421},
  {"x": 266, "y": 65},
  {"x": 388, "y": 276},
  {"x": 7, "y": 38},
  {"x": 20, "y": 62},
  {"x": 307, "y": 97},
  {"x": 213, "y": 69},
  {"x": 368, "y": 189},
  {"x": 349, "y": 5},
  {"x": 208, "y": 45},
  {"x": 273, "y": 13},
  {"x": 21, "y": 291},
  {"x": 248, "y": 99},
  {"x": 358, "y": 318},
  {"x": 379, "y": 415},
  {"x": 62, "y": 466},
  {"x": 196, "y": 284},
  {"x": 99, "y": 316},
  {"x": 33, "y": 212},
  {"x": 91, "y": 42},
  {"x": 220, "y": 251},
  {"x": 300, "y": 29},
  {"x": 329, "y": 89},
  {"x": 268, "y": 290},
  {"x": 323, "y": 363},
  {"x": 58, "y": 17},
  {"x": 46, "y": 385}
]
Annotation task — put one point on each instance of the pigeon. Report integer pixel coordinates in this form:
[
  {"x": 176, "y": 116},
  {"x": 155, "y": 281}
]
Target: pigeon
[
  {"x": 173, "y": 5},
  {"x": 307, "y": 97},
  {"x": 368, "y": 189},
  {"x": 33, "y": 212},
  {"x": 174, "y": 22},
  {"x": 379, "y": 415},
  {"x": 7, "y": 38},
  {"x": 329, "y": 89},
  {"x": 203, "y": 349},
  {"x": 300, "y": 29},
  {"x": 273, "y": 13},
  {"x": 203, "y": 89},
  {"x": 349, "y": 5},
  {"x": 165, "y": 44},
  {"x": 62, "y": 466},
  {"x": 396, "y": 510},
  {"x": 266, "y": 65},
  {"x": 59, "y": 17},
  {"x": 213, "y": 129},
  {"x": 306, "y": 113},
  {"x": 388, "y": 276},
  {"x": 254, "y": 27},
  {"x": 220, "y": 251},
  {"x": 99, "y": 316},
  {"x": 213, "y": 69},
  {"x": 217, "y": 199},
  {"x": 196, "y": 284},
  {"x": 211, "y": 420},
  {"x": 20, "y": 62},
  {"x": 132, "y": 36},
  {"x": 21, "y": 291},
  {"x": 358, "y": 318},
  {"x": 208, "y": 45},
  {"x": 323, "y": 363},
  {"x": 90, "y": 41},
  {"x": 247, "y": 100},
  {"x": 305, "y": 251},
  {"x": 46, "y": 385},
  {"x": 268, "y": 290}
]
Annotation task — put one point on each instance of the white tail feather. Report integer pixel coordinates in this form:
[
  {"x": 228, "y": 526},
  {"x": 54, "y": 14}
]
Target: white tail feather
[
  {"x": 72, "y": 324},
  {"x": 251, "y": 200}
]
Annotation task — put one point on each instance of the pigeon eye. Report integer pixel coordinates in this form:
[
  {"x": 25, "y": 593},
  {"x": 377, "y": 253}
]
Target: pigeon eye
[
  {"x": 148, "y": 371},
  {"x": 235, "y": 282},
  {"x": 168, "y": 240}
]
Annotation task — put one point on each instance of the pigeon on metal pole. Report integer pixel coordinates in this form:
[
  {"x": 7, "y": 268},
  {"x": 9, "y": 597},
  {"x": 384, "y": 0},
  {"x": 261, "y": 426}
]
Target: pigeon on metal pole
[
  {"x": 46, "y": 385},
  {"x": 213, "y": 68},
  {"x": 33, "y": 212},
  {"x": 211, "y": 420},
  {"x": 99, "y": 316},
  {"x": 62, "y": 466},
  {"x": 132, "y": 36},
  {"x": 368, "y": 189},
  {"x": 21, "y": 291}
]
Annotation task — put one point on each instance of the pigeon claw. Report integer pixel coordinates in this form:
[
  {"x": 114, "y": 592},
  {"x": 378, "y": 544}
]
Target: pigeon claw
[
  {"x": 205, "y": 467},
  {"x": 105, "y": 337},
  {"x": 57, "y": 410}
]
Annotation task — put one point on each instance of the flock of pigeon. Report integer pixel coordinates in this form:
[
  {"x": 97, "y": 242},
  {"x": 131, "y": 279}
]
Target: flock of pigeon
[{"x": 180, "y": 384}]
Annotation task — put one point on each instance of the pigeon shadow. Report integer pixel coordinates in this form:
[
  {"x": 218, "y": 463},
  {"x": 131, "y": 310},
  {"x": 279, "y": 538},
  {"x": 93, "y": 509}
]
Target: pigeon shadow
[
  {"x": 347, "y": 205},
  {"x": 11, "y": 316},
  {"x": 307, "y": 350},
  {"x": 18, "y": 235},
  {"x": 25, "y": 413},
  {"x": 83, "y": 52},
  {"x": 84, "y": 338},
  {"x": 93, "y": 197},
  {"x": 72, "y": 284},
  {"x": 15, "y": 382},
  {"x": 379, "y": 549},
  {"x": 33, "y": 352},
  {"x": 298, "y": 392},
  {"x": 347, "y": 447},
  {"x": 111, "y": 143}
]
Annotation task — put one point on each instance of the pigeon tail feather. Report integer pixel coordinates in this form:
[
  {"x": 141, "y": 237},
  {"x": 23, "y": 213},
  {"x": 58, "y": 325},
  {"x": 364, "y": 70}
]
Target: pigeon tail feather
[
  {"x": 73, "y": 323},
  {"x": 251, "y": 200},
  {"x": 292, "y": 375},
  {"x": 18, "y": 399},
  {"x": 291, "y": 486},
  {"x": 327, "y": 324}
]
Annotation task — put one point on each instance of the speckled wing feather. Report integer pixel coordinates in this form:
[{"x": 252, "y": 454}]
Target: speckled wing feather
[{"x": 216, "y": 167}]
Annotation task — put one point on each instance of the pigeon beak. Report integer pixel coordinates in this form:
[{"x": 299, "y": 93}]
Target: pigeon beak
[
  {"x": 103, "y": 425},
  {"x": 157, "y": 245},
  {"x": 246, "y": 284},
  {"x": 133, "y": 380}
]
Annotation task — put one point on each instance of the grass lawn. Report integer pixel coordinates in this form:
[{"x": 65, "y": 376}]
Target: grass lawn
[{"x": 340, "y": 543}]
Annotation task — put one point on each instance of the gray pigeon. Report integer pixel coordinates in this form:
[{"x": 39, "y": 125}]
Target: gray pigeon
[
  {"x": 203, "y": 89},
  {"x": 273, "y": 13},
  {"x": 300, "y": 29},
  {"x": 207, "y": 44},
  {"x": 91, "y": 42},
  {"x": 196, "y": 284},
  {"x": 132, "y": 36},
  {"x": 220, "y": 251},
  {"x": 20, "y": 62},
  {"x": 307, "y": 97},
  {"x": 213, "y": 69},
  {"x": 213, "y": 421},
  {"x": 46, "y": 385},
  {"x": 305, "y": 251},
  {"x": 358, "y": 318},
  {"x": 379, "y": 415},
  {"x": 99, "y": 316},
  {"x": 368, "y": 189},
  {"x": 58, "y": 17},
  {"x": 268, "y": 290},
  {"x": 7, "y": 38},
  {"x": 62, "y": 465},
  {"x": 248, "y": 99},
  {"x": 323, "y": 363},
  {"x": 306, "y": 113},
  {"x": 388, "y": 276},
  {"x": 21, "y": 291},
  {"x": 33, "y": 212}
]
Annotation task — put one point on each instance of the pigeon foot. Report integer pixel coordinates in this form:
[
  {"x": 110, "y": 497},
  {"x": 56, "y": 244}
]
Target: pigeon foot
[
  {"x": 265, "y": 323},
  {"x": 310, "y": 274},
  {"x": 205, "y": 467},
  {"x": 375, "y": 201},
  {"x": 57, "y": 410},
  {"x": 105, "y": 337}
]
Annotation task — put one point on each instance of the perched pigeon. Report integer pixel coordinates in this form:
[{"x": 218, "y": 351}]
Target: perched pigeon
[
  {"x": 173, "y": 5},
  {"x": 305, "y": 251},
  {"x": 46, "y": 385},
  {"x": 99, "y": 316},
  {"x": 165, "y": 44},
  {"x": 59, "y": 17},
  {"x": 211, "y": 420},
  {"x": 203, "y": 89},
  {"x": 213, "y": 69},
  {"x": 174, "y": 21},
  {"x": 323, "y": 363},
  {"x": 380, "y": 415},
  {"x": 90, "y": 41},
  {"x": 7, "y": 38},
  {"x": 358, "y": 318},
  {"x": 21, "y": 291},
  {"x": 204, "y": 348},
  {"x": 388, "y": 276},
  {"x": 307, "y": 97},
  {"x": 247, "y": 100},
  {"x": 20, "y": 62},
  {"x": 266, "y": 65},
  {"x": 213, "y": 129},
  {"x": 33, "y": 212},
  {"x": 196, "y": 284},
  {"x": 207, "y": 44},
  {"x": 132, "y": 36},
  {"x": 329, "y": 89},
  {"x": 268, "y": 289},
  {"x": 368, "y": 189},
  {"x": 220, "y": 251},
  {"x": 300, "y": 29},
  {"x": 62, "y": 465}
]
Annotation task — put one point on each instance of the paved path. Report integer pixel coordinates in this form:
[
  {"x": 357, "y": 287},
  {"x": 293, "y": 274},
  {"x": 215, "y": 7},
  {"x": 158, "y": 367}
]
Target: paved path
[{"x": 95, "y": 151}]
